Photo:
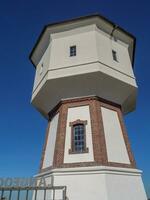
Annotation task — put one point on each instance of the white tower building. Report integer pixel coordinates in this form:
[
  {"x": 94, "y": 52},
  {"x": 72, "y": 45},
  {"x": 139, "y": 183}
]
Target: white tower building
[{"x": 84, "y": 85}]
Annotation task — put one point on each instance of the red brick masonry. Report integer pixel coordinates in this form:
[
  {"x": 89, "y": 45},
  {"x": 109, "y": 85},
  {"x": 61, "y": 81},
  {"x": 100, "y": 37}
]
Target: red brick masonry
[{"x": 98, "y": 137}]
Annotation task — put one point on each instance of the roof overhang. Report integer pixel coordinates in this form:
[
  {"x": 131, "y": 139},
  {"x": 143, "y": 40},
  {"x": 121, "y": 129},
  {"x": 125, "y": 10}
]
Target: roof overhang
[{"x": 100, "y": 21}]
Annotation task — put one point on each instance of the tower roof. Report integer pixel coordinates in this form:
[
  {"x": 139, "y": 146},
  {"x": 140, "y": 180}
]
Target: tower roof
[{"x": 101, "y": 22}]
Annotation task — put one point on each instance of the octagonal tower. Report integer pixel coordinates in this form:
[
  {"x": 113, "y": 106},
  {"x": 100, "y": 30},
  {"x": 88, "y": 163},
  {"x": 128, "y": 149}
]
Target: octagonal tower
[{"x": 84, "y": 84}]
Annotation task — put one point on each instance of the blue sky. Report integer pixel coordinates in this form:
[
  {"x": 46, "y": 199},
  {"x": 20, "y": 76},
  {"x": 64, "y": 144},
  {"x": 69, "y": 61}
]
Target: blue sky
[{"x": 22, "y": 128}]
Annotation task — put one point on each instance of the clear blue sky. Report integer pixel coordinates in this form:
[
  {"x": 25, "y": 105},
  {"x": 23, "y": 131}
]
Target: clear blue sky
[{"x": 22, "y": 128}]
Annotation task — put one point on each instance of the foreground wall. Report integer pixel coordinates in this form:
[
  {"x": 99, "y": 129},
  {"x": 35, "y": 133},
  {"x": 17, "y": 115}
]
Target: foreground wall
[{"x": 96, "y": 183}]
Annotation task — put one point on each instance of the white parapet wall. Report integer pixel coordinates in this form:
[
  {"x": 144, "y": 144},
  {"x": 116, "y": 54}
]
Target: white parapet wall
[{"x": 93, "y": 183}]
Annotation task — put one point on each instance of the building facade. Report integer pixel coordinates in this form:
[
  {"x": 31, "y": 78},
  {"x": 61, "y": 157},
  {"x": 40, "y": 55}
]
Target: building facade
[{"x": 84, "y": 85}]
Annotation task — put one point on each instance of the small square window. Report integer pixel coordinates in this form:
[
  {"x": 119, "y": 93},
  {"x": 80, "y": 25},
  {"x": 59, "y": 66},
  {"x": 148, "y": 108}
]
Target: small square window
[
  {"x": 115, "y": 39},
  {"x": 41, "y": 68},
  {"x": 114, "y": 54},
  {"x": 72, "y": 51}
]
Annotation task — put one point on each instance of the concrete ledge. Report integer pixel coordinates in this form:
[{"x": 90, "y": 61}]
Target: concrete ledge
[{"x": 92, "y": 170}]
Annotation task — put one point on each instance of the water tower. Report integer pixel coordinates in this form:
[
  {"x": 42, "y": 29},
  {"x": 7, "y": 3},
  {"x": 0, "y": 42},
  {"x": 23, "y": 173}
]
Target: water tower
[{"x": 84, "y": 85}]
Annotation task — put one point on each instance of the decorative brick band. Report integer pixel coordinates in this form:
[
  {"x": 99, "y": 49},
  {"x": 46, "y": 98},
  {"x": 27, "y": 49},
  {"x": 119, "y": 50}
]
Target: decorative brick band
[
  {"x": 99, "y": 147},
  {"x": 60, "y": 138},
  {"x": 77, "y": 100},
  {"x": 126, "y": 139},
  {"x": 98, "y": 136}
]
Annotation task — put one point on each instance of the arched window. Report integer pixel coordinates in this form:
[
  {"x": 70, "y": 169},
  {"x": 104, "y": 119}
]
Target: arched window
[{"x": 78, "y": 137}]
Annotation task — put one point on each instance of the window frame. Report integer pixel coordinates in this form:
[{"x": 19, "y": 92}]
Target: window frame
[
  {"x": 72, "y": 124},
  {"x": 73, "y": 50}
]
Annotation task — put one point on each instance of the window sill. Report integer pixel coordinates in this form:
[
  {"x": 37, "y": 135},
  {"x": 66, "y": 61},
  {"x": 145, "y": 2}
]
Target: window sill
[{"x": 75, "y": 152}]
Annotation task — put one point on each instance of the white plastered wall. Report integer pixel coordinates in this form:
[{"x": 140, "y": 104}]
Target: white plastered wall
[
  {"x": 105, "y": 45},
  {"x": 82, "y": 113},
  {"x": 115, "y": 144},
  {"x": 45, "y": 60},
  {"x": 83, "y": 38},
  {"x": 93, "y": 45},
  {"x": 94, "y": 183},
  {"x": 50, "y": 147},
  {"x": 125, "y": 187}
]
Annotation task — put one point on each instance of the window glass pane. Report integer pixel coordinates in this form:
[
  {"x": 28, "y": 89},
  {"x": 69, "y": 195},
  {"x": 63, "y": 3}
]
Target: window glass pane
[
  {"x": 73, "y": 50},
  {"x": 41, "y": 68},
  {"x": 78, "y": 134},
  {"x": 114, "y": 54}
]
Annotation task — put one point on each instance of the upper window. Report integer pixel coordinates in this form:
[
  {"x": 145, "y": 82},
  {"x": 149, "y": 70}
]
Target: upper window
[
  {"x": 115, "y": 39},
  {"x": 78, "y": 137},
  {"x": 114, "y": 55},
  {"x": 41, "y": 68},
  {"x": 73, "y": 51}
]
